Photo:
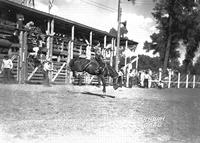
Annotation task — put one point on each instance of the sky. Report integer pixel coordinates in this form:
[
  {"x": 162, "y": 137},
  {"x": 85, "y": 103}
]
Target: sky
[{"x": 102, "y": 14}]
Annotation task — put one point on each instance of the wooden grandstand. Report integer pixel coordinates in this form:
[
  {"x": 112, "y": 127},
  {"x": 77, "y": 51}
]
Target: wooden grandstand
[{"x": 64, "y": 40}]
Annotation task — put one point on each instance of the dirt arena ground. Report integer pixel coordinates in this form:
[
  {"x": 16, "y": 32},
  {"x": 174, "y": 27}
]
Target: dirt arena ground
[{"x": 66, "y": 114}]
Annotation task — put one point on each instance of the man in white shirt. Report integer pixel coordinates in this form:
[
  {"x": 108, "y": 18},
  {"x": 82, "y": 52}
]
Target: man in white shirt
[
  {"x": 146, "y": 79},
  {"x": 6, "y": 68},
  {"x": 47, "y": 67},
  {"x": 132, "y": 74},
  {"x": 142, "y": 78}
]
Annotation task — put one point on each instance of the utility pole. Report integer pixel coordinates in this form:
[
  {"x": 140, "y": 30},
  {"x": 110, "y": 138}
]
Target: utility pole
[{"x": 118, "y": 35}]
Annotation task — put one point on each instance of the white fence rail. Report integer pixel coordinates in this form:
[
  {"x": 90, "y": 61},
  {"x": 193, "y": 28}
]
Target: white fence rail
[{"x": 178, "y": 80}]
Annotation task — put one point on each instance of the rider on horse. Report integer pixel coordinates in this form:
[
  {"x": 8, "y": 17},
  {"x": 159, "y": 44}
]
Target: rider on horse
[{"x": 99, "y": 58}]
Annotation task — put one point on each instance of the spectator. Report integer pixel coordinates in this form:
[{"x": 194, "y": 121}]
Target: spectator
[
  {"x": 6, "y": 68},
  {"x": 47, "y": 67},
  {"x": 142, "y": 78},
  {"x": 150, "y": 78},
  {"x": 120, "y": 78},
  {"x": 131, "y": 77},
  {"x": 29, "y": 25},
  {"x": 160, "y": 85},
  {"x": 146, "y": 79},
  {"x": 20, "y": 19}
]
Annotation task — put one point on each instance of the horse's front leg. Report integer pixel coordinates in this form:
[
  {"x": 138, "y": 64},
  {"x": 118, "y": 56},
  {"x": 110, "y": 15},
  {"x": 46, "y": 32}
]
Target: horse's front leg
[
  {"x": 103, "y": 83},
  {"x": 74, "y": 74},
  {"x": 115, "y": 85}
]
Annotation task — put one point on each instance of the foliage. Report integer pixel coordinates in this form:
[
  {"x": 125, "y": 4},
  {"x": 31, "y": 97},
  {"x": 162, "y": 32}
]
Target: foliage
[
  {"x": 196, "y": 67},
  {"x": 176, "y": 20},
  {"x": 146, "y": 62}
]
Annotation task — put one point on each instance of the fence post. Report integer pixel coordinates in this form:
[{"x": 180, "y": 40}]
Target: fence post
[
  {"x": 111, "y": 52},
  {"x": 179, "y": 75},
  {"x": 186, "y": 84},
  {"x": 160, "y": 74},
  {"x": 104, "y": 46},
  {"x": 20, "y": 64},
  {"x": 70, "y": 52},
  {"x": 111, "y": 57},
  {"x": 169, "y": 82},
  {"x": 126, "y": 71},
  {"x": 66, "y": 74},
  {"x": 194, "y": 77},
  {"x": 136, "y": 63}
]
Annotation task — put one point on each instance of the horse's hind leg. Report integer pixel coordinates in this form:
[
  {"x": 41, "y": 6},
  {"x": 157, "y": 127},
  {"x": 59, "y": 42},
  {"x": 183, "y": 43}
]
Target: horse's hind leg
[{"x": 103, "y": 82}]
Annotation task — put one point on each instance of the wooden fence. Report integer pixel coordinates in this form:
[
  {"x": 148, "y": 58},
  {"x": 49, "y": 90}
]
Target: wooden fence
[{"x": 178, "y": 80}]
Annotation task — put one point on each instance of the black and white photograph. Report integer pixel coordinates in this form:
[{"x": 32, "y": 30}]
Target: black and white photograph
[{"x": 99, "y": 71}]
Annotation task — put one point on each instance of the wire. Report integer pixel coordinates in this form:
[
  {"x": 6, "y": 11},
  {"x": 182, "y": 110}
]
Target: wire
[
  {"x": 105, "y": 7},
  {"x": 144, "y": 3},
  {"x": 99, "y": 6},
  {"x": 102, "y": 5}
]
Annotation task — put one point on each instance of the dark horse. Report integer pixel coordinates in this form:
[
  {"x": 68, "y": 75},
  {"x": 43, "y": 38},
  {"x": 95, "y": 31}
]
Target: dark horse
[{"x": 90, "y": 66}]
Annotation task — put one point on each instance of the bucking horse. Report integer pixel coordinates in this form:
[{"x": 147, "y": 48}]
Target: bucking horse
[{"x": 91, "y": 66}]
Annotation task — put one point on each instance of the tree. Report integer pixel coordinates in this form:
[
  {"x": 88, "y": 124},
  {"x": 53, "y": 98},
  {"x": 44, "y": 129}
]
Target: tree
[
  {"x": 146, "y": 62},
  {"x": 176, "y": 20},
  {"x": 197, "y": 67},
  {"x": 174, "y": 64}
]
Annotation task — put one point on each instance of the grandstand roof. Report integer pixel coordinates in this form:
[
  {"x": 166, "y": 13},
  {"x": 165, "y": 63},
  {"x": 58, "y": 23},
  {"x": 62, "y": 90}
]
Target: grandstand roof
[{"x": 62, "y": 24}]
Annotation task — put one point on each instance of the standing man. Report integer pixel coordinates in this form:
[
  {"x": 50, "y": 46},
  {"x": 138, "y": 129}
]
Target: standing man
[
  {"x": 146, "y": 79},
  {"x": 131, "y": 77},
  {"x": 47, "y": 67},
  {"x": 6, "y": 68},
  {"x": 120, "y": 77}
]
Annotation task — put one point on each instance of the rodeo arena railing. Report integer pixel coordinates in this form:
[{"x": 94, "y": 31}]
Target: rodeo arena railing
[
  {"x": 169, "y": 79},
  {"x": 178, "y": 80}
]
